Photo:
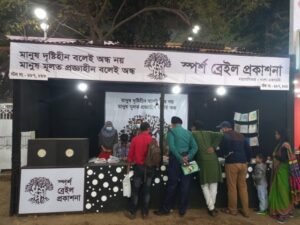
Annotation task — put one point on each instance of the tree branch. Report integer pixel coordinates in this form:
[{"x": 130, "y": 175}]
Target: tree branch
[
  {"x": 118, "y": 13},
  {"x": 179, "y": 13},
  {"x": 98, "y": 16}
]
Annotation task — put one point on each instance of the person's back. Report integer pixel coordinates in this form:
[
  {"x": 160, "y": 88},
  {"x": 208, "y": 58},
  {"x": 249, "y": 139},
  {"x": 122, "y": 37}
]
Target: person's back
[
  {"x": 236, "y": 151},
  {"x": 260, "y": 171},
  {"x": 235, "y": 148},
  {"x": 182, "y": 149},
  {"x": 182, "y": 137},
  {"x": 139, "y": 148},
  {"x": 142, "y": 177}
]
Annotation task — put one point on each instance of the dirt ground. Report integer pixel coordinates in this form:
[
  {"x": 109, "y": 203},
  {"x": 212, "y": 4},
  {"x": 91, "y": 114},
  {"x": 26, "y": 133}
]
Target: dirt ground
[{"x": 193, "y": 217}]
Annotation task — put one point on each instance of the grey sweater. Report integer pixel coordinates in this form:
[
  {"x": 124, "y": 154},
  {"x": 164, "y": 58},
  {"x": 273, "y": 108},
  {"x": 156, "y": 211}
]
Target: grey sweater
[{"x": 259, "y": 175}]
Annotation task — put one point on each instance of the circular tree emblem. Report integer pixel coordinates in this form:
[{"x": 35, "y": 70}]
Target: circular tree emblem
[
  {"x": 156, "y": 63},
  {"x": 154, "y": 122},
  {"x": 38, "y": 188}
]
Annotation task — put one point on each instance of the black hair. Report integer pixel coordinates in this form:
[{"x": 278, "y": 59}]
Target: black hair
[
  {"x": 176, "y": 120},
  {"x": 198, "y": 125},
  {"x": 124, "y": 137},
  {"x": 283, "y": 135},
  {"x": 145, "y": 126},
  {"x": 261, "y": 156}
]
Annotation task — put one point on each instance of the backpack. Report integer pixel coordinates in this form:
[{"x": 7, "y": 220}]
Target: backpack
[{"x": 153, "y": 157}]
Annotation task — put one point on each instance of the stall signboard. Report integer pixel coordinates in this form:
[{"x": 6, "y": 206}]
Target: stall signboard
[
  {"x": 126, "y": 109},
  {"x": 51, "y": 190},
  {"x": 33, "y": 61}
]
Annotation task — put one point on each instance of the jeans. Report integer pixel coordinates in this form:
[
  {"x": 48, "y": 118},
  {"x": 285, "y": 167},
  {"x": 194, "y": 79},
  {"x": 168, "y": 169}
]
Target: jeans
[
  {"x": 176, "y": 179},
  {"x": 262, "y": 193},
  {"x": 141, "y": 182},
  {"x": 236, "y": 181},
  {"x": 210, "y": 193}
]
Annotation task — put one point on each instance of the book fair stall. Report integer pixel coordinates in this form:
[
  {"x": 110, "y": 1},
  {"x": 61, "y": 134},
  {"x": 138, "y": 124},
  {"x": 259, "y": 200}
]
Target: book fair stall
[{"x": 124, "y": 86}]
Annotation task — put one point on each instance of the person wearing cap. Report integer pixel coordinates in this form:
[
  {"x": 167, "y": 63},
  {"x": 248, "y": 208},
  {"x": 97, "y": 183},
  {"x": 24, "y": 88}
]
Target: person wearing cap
[
  {"x": 210, "y": 173},
  {"x": 237, "y": 153},
  {"x": 182, "y": 149}
]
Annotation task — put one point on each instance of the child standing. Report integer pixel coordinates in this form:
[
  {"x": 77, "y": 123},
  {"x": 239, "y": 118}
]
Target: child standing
[{"x": 260, "y": 180}]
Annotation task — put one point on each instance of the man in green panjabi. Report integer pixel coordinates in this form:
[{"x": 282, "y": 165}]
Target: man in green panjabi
[{"x": 210, "y": 169}]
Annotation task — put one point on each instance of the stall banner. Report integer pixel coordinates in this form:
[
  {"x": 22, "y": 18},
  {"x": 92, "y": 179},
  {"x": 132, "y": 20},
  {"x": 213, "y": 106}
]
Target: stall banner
[
  {"x": 51, "y": 190},
  {"x": 43, "y": 61},
  {"x": 126, "y": 109}
]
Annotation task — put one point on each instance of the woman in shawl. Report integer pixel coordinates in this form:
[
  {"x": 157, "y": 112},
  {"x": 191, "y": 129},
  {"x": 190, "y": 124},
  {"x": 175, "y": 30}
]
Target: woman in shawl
[
  {"x": 107, "y": 137},
  {"x": 285, "y": 182}
]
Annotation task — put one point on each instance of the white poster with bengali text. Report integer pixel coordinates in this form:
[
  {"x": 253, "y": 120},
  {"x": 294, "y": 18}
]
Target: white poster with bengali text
[
  {"x": 51, "y": 190},
  {"x": 45, "y": 61},
  {"x": 126, "y": 109}
]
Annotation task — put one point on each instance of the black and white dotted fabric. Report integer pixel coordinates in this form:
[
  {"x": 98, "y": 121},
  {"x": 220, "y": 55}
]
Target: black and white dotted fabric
[{"x": 104, "y": 187}]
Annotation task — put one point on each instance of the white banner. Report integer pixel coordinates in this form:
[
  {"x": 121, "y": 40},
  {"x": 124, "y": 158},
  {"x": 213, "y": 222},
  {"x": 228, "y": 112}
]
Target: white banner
[
  {"x": 124, "y": 109},
  {"x": 44, "y": 61},
  {"x": 51, "y": 190}
]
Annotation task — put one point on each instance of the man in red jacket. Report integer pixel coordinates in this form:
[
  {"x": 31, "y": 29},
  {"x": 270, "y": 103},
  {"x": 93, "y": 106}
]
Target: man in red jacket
[{"x": 142, "y": 177}]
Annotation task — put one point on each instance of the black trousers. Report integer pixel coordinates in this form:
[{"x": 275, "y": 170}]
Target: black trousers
[
  {"x": 141, "y": 184},
  {"x": 176, "y": 180}
]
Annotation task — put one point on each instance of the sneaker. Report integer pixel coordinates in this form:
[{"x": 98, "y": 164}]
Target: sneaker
[{"x": 263, "y": 213}]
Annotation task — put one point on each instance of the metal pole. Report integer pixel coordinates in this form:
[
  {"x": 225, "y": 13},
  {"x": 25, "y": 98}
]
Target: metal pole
[
  {"x": 16, "y": 148},
  {"x": 291, "y": 100},
  {"x": 45, "y": 35},
  {"x": 162, "y": 121}
]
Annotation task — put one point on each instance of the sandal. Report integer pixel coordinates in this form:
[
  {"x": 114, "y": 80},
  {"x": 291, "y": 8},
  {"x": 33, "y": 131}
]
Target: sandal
[
  {"x": 244, "y": 214},
  {"x": 227, "y": 211}
]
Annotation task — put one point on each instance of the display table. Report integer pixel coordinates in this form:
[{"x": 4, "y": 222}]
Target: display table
[
  {"x": 104, "y": 193},
  {"x": 98, "y": 188}
]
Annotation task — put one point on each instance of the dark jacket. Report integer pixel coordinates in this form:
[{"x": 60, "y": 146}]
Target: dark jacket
[{"x": 235, "y": 148}]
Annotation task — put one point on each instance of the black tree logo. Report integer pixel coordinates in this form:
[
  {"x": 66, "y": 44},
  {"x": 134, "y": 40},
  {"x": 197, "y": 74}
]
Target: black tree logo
[
  {"x": 156, "y": 63},
  {"x": 38, "y": 188},
  {"x": 152, "y": 120}
]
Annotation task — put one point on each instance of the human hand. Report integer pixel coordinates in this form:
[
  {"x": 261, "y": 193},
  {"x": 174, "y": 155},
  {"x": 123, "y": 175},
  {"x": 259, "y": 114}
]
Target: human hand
[
  {"x": 185, "y": 160},
  {"x": 210, "y": 150},
  {"x": 286, "y": 145}
]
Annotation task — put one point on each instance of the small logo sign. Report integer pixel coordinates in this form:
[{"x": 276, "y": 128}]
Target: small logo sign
[
  {"x": 156, "y": 63},
  {"x": 38, "y": 187}
]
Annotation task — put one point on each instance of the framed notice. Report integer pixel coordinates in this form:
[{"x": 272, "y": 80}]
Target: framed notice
[{"x": 51, "y": 190}]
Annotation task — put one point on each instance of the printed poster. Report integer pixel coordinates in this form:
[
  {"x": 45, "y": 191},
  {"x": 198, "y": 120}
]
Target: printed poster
[
  {"x": 126, "y": 109},
  {"x": 51, "y": 190}
]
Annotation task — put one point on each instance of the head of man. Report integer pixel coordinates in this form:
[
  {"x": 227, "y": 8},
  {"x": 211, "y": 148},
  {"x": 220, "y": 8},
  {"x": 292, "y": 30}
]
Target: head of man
[
  {"x": 225, "y": 126},
  {"x": 197, "y": 125},
  {"x": 145, "y": 127},
  {"x": 176, "y": 121},
  {"x": 124, "y": 139}
]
